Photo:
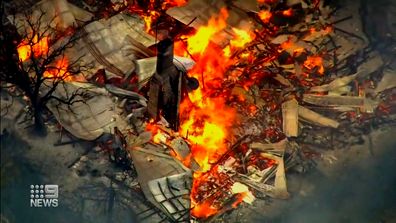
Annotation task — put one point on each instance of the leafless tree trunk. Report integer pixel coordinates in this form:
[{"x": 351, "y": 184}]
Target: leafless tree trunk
[{"x": 34, "y": 60}]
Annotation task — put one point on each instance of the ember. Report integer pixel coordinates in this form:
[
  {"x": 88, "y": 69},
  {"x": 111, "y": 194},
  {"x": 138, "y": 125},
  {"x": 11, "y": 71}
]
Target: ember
[
  {"x": 315, "y": 62},
  {"x": 265, "y": 16}
]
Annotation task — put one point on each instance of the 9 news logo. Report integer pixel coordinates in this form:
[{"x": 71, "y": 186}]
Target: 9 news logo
[{"x": 44, "y": 195}]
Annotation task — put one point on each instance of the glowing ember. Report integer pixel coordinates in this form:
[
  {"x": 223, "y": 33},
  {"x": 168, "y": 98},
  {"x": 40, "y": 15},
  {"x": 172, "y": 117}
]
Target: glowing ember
[
  {"x": 265, "y": 16},
  {"x": 314, "y": 62},
  {"x": 288, "y": 12},
  {"x": 266, "y": 1}
]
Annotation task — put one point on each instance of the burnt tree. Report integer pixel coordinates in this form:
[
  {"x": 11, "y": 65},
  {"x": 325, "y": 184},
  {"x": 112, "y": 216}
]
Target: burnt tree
[{"x": 33, "y": 59}]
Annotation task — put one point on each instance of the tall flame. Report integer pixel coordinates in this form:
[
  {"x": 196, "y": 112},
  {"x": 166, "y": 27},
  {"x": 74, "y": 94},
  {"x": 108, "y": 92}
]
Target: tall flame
[
  {"x": 206, "y": 119},
  {"x": 198, "y": 43}
]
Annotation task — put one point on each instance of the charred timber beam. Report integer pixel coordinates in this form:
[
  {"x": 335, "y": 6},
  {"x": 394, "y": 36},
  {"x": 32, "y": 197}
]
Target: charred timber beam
[{"x": 167, "y": 85}]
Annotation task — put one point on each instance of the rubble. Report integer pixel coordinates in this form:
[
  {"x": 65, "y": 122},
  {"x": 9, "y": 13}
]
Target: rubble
[
  {"x": 290, "y": 118},
  {"x": 280, "y": 82},
  {"x": 91, "y": 117},
  {"x": 315, "y": 118},
  {"x": 164, "y": 170},
  {"x": 333, "y": 100},
  {"x": 387, "y": 82},
  {"x": 172, "y": 193}
]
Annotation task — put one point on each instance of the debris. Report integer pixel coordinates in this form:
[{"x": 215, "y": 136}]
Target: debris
[
  {"x": 388, "y": 81},
  {"x": 88, "y": 118},
  {"x": 180, "y": 147},
  {"x": 332, "y": 100},
  {"x": 290, "y": 118},
  {"x": 270, "y": 90},
  {"x": 162, "y": 167},
  {"x": 283, "y": 80},
  {"x": 171, "y": 192},
  {"x": 315, "y": 118},
  {"x": 238, "y": 188}
]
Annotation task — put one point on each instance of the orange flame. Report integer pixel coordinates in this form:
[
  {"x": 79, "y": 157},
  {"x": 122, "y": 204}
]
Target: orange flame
[
  {"x": 148, "y": 19},
  {"x": 206, "y": 119},
  {"x": 241, "y": 38},
  {"x": 153, "y": 12},
  {"x": 39, "y": 47},
  {"x": 265, "y": 15},
  {"x": 314, "y": 62},
  {"x": 60, "y": 71},
  {"x": 199, "y": 42},
  {"x": 288, "y": 12}
]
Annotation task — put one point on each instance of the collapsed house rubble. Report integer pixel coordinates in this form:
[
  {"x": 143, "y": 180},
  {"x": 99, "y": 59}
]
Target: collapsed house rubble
[{"x": 291, "y": 75}]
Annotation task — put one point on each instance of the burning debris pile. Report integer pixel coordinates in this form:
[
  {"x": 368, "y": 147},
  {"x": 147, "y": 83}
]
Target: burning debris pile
[
  {"x": 253, "y": 89},
  {"x": 264, "y": 86}
]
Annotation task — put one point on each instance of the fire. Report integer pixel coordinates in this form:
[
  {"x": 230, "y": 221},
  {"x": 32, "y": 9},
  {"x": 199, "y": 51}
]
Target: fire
[
  {"x": 265, "y": 15},
  {"x": 206, "y": 119},
  {"x": 148, "y": 19},
  {"x": 39, "y": 48},
  {"x": 60, "y": 71},
  {"x": 36, "y": 46},
  {"x": 204, "y": 210},
  {"x": 199, "y": 42},
  {"x": 207, "y": 128},
  {"x": 288, "y": 12},
  {"x": 206, "y": 115},
  {"x": 291, "y": 47},
  {"x": 266, "y": 1},
  {"x": 241, "y": 38},
  {"x": 315, "y": 62},
  {"x": 154, "y": 11}
]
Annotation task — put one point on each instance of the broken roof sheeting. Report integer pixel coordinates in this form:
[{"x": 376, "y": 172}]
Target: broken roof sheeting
[
  {"x": 86, "y": 120},
  {"x": 172, "y": 193},
  {"x": 162, "y": 167}
]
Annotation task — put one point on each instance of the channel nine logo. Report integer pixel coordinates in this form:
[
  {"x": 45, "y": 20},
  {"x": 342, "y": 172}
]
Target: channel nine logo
[{"x": 44, "y": 195}]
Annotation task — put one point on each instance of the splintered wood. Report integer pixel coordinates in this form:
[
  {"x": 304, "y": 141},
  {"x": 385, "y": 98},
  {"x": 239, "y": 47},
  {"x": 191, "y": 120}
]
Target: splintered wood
[{"x": 290, "y": 118}]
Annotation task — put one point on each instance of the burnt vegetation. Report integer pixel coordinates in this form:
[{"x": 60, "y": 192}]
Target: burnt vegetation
[{"x": 35, "y": 64}]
